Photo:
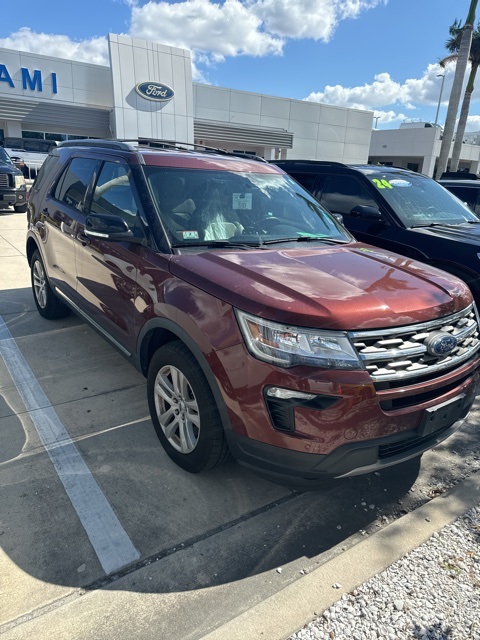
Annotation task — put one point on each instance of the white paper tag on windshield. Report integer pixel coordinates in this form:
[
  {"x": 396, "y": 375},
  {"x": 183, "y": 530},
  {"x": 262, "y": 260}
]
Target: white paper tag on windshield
[
  {"x": 190, "y": 235},
  {"x": 242, "y": 200}
]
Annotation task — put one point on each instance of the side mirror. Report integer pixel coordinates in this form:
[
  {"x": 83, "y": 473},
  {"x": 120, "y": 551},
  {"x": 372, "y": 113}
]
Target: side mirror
[
  {"x": 365, "y": 211},
  {"x": 109, "y": 228}
]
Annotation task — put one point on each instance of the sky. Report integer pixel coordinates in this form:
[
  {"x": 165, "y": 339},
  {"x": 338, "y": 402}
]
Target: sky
[{"x": 380, "y": 55}]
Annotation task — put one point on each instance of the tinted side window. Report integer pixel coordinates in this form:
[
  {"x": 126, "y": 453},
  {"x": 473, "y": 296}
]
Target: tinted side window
[
  {"x": 341, "y": 194},
  {"x": 74, "y": 182},
  {"x": 465, "y": 194},
  {"x": 46, "y": 172},
  {"x": 307, "y": 180},
  {"x": 114, "y": 193}
]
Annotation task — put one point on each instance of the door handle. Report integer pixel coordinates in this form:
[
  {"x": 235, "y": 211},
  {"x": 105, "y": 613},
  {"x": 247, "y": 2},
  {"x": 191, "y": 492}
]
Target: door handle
[
  {"x": 46, "y": 212},
  {"x": 81, "y": 237}
]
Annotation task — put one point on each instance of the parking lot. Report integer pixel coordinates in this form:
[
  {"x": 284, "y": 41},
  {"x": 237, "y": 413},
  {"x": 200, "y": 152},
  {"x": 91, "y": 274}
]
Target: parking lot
[{"x": 102, "y": 536}]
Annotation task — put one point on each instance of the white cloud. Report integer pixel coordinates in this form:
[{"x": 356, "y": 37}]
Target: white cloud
[
  {"x": 227, "y": 29},
  {"x": 94, "y": 50},
  {"x": 384, "y": 92},
  {"x": 473, "y": 123},
  {"x": 232, "y": 27},
  {"x": 315, "y": 19},
  {"x": 212, "y": 30}
]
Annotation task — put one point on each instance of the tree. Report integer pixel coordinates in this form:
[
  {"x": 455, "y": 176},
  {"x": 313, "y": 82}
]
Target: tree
[
  {"x": 453, "y": 45},
  {"x": 455, "y": 94}
]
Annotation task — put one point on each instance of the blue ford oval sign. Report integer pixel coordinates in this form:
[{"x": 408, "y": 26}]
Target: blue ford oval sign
[{"x": 155, "y": 91}]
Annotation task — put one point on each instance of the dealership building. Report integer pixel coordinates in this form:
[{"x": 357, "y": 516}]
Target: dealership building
[{"x": 147, "y": 92}]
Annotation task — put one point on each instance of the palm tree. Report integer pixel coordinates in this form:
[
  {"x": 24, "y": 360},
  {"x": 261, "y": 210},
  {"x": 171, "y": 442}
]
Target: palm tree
[
  {"x": 456, "y": 92},
  {"x": 453, "y": 45}
]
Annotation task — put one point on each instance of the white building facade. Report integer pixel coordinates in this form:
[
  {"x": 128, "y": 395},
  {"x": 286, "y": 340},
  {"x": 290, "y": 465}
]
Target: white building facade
[
  {"x": 147, "y": 92},
  {"x": 418, "y": 148}
]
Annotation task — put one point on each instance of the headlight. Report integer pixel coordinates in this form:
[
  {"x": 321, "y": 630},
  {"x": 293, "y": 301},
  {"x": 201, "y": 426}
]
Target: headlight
[
  {"x": 288, "y": 346},
  {"x": 19, "y": 181}
]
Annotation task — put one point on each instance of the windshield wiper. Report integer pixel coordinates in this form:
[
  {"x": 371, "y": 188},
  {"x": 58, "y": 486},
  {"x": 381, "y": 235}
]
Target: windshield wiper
[
  {"x": 306, "y": 239},
  {"x": 220, "y": 244},
  {"x": 436, "y": 224}
]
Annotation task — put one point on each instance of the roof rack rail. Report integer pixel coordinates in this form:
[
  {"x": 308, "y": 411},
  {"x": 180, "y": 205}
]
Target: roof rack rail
[
  {"x": 187, "y": 146},
  {"x": 98, "y": 142},
  {"x": 131, "y": 144},
  {"x": 325, "y": 163}
]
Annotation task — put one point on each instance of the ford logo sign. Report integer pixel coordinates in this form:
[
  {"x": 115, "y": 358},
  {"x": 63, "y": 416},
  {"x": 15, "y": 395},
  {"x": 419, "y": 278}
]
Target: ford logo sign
[
  {"x": 440, "y": 343},
  {"x": 154, "y": 91}
]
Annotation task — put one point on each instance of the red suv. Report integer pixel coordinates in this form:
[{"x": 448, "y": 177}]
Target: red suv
[{"x": 263, "y": 328}]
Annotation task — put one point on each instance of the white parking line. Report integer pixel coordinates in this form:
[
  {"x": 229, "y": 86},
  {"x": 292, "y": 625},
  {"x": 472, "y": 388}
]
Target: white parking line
[{"x": 109, "y": 539}]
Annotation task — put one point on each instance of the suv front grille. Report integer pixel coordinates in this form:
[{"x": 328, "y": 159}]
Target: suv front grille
[
  {"x": 5, "y": 181},
  {"x": 403, "y": 353}
]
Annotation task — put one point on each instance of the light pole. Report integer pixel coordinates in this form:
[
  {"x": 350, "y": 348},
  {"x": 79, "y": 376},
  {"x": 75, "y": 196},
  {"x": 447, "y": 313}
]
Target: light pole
[
  {"x": 442, "y": 76},
  {"x": 376, "y": 118}
]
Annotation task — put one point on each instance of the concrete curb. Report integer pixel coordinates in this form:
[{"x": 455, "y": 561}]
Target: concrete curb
[{"x": 290, "y": 609}]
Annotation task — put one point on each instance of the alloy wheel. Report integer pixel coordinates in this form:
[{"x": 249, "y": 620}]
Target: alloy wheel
[{"x": 177, "y": 409}]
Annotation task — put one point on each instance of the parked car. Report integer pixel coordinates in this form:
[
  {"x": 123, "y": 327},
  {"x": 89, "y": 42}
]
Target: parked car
[
  {"x": 466, "y": 188},
  {"x": 263, "y": 328},
  {"x": 13, "y": 190},
  {"x": 28, "y": 162},
  {"x": 399, "y": 210}
]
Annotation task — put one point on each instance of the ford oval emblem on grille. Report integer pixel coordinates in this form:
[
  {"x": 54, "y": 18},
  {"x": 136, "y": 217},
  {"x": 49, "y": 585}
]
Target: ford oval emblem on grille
[
  {"x": 155, "y": 91},
  {"x": 440, "y": 343}
]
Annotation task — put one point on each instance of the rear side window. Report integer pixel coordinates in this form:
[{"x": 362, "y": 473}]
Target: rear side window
[
  {"x": 467, "y": 195},
  {"x": 73, "y": 184},
  {"x": 307, "y": 180},
  {"x": 46, "y": 172},
  {"x": 341, "y": 194}
]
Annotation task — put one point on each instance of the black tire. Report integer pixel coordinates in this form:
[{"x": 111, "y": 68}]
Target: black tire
[
  {"x": 20, "y": 208},
  {"x": 47, "y": 303},
  {"x": 192, "y": 432}
]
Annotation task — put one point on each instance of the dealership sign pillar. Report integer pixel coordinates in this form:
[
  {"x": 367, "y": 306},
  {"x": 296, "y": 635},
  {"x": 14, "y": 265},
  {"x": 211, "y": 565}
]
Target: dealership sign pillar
[{"x": 152, "y": 90}]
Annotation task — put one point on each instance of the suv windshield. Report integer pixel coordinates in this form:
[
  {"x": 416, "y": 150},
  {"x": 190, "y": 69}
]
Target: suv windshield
[
  {"x": 207, "y": 206},
  {"x": 4, "y": 157},
  {"x": 418, "y": 200}
]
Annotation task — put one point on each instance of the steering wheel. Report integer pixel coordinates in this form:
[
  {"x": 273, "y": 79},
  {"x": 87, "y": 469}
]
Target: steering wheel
[{"x": 267, "y": 222}]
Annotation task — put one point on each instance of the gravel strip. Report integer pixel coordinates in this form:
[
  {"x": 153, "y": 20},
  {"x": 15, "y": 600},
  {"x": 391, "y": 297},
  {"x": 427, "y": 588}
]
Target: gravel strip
[{"x": 432, "y": 593}]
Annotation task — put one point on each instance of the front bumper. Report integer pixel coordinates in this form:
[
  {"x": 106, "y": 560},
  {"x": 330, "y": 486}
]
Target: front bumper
[
  {"x": 12, "y": 197},
  {"x": 306, "y": 469},
  {"x": 349, "y": 429}
]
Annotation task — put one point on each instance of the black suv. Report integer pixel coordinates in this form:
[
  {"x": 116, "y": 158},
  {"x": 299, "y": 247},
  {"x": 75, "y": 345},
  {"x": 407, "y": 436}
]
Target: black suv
[
  {"x": 13, "y": 190},
  {"x": 399, "y": 210}
]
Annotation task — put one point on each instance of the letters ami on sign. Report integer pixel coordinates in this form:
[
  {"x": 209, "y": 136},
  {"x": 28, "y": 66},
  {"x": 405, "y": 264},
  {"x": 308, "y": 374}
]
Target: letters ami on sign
[{"x": 32, "y": 81}]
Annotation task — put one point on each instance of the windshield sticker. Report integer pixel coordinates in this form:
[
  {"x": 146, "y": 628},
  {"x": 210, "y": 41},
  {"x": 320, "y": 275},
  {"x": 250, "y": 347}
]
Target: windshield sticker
[
  {"x": 190, "y": 235},
  {"x": 382, "y": 184},
  {"x": 400, "y": 183},
  {"x": 242, "y": 200}
]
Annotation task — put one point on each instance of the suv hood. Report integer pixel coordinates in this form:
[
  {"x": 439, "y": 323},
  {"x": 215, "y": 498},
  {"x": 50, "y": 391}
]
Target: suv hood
[
  {"x": 461, "y": 232},
  {"x": 6, "y": 167},
  {"x": 343, "y": 287}
]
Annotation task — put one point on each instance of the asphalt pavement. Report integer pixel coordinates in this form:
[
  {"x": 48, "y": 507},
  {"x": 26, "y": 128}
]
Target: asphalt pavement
[{"x": 219, "y": 556}]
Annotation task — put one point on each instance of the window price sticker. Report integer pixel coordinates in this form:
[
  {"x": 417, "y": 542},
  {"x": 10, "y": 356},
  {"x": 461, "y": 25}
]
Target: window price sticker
[
  {"x": 190, "y": 235},
  {"x": 242, "y": 200}
]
